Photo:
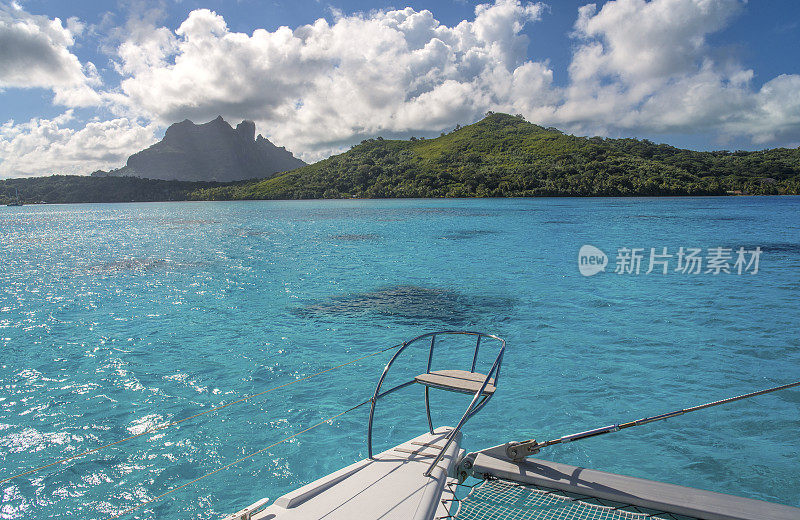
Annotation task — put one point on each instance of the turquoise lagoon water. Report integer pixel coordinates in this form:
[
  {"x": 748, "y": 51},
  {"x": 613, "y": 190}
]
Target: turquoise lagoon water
[{"x": 115, "y": 318}]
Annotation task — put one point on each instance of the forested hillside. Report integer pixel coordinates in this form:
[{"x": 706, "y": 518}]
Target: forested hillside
[
  {"x": 500, "y": 156},
  {"x": 503, "y": 156},
  {"x": 78, "y": 188}
]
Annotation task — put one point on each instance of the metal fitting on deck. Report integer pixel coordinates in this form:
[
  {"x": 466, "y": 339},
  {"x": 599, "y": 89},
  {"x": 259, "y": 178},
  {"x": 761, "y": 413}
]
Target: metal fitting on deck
[{"x": 520, "y": 450}]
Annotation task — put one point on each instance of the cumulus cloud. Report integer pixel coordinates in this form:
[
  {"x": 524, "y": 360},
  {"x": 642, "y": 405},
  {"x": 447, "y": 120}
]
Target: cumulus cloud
[
  {"x": 50, "y": 146},
  {"x": 646, "y": 66},
  {"x": 323, "y": 85},
  {"x": 35, "y": 53},
  {"x": 638, "y": 67},
  {"x": 775, "y": 113},
  {"x": 644, "y": 42}
]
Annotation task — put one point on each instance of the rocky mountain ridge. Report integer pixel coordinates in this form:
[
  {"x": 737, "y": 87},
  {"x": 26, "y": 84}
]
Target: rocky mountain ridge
[{"x": 212, "y": 151}]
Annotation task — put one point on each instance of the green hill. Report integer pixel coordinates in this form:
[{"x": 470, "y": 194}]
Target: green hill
[
  {"x": 80, "y": 188},
  {"x": 505, "y": 156},
  {"x": 499, "y": 156}
]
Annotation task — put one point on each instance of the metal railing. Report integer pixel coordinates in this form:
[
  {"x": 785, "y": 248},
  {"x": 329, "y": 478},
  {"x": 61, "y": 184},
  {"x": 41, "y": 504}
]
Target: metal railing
[{"x": 479, "y": 400}]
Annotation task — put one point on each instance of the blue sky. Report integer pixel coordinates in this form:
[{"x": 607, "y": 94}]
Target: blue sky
[{"x": 84, "y": 84}]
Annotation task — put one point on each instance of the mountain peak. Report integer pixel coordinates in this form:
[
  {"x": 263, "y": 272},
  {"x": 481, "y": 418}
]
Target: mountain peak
[
  {"x": 247, "y": 130},
  {"x": 212, "y": 151}
]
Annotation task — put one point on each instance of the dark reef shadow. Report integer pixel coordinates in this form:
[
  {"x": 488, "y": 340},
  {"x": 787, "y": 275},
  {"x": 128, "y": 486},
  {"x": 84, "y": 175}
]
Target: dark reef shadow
[{"x": 410, "y": 302}]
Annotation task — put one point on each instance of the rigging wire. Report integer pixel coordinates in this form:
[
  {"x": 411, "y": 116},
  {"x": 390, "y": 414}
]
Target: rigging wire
[
  {"x": 226, "y": 466},
  {"x": 520, "y": 450},
  {"x": 214, "y": 409}
]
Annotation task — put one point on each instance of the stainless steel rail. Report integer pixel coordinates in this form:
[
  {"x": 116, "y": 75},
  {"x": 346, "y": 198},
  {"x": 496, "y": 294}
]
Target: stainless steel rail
[{"x": 479, "y": 400}]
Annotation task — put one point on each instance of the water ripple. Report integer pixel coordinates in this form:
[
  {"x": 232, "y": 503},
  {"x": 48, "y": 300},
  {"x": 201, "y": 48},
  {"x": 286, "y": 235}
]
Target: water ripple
[{"x": 118, "y": 318}]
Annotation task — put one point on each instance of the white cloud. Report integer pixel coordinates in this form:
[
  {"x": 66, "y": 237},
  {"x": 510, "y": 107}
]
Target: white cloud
[
  {"x": 638, "y": 67},
  {"x": 50, "y": 146},
  {"x": 323, "y": 85},
  {"x": 776, "y": 115},
  {"x": 646, "y": 66},
  {"x": 646, "y": 41},
  {"x": 36, "y": 54}
]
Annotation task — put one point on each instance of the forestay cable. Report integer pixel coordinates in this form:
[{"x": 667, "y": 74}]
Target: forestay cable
[
  {"x": 520, "y": 450},
  {"x": 226, "y": 466},
  {"x": 216, "y": 408}
]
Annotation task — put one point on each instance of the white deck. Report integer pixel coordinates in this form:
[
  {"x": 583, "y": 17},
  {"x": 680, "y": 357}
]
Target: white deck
[{"x": 390, "y": 487}]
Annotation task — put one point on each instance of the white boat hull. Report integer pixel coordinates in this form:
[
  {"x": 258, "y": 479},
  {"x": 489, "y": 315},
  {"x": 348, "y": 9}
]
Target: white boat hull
[{"x": 390, "y": 487}]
